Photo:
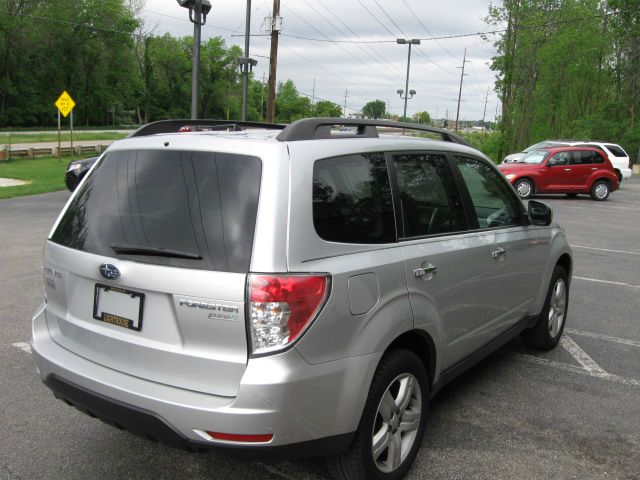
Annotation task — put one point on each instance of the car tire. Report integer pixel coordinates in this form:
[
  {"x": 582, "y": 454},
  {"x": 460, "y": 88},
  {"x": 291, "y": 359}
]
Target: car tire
[
  {"x": 572, "y": 195},
  {"x": 524, "y": 187},
  {"x": 600, "y": 190},
  {"x": 619, "y": 175},
  {"x": 546, "y": 333},
  {"x": 399, "y": 395}
]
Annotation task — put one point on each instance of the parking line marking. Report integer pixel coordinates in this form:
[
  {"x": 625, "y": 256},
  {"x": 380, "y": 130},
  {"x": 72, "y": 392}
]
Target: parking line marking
[
  {"x": 580, "y": 355},
  {"x": 573, "y": 369},
  {"x": 599, "y": 336},
  {"x": 609, "y": 282},
  {"x": 24, "y": 346},
  {"x": 605, "y": 249}
]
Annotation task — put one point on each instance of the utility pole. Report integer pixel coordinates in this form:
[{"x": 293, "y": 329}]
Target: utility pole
[
  {"x": 485, "y": 108},
  {"x": 344, "y": 112},
  {"x": 276, "y": 26},
  {"x": 262, "y": 97},
  {"x": 313, "y": 93},
  {"x": 464, "y": 61}
]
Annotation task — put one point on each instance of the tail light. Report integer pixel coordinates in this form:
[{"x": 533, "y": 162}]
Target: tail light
[{"x": 282, "y": 307}]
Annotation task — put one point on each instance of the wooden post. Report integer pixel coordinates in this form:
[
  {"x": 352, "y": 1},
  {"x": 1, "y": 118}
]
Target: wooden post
[{"x": 72, "y": 133}]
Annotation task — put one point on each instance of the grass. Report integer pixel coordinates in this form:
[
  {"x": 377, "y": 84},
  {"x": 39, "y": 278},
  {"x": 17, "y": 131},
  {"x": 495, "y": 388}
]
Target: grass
[
  {"x": 45, "y": 174},
  {"x": 15, "y": 138}
]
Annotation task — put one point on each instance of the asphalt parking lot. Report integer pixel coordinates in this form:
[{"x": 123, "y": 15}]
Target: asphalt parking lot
[{"x": 573, "y": 413}]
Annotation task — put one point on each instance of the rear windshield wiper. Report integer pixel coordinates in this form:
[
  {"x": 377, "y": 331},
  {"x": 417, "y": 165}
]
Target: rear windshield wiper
[{"x": 156, "y": 251}]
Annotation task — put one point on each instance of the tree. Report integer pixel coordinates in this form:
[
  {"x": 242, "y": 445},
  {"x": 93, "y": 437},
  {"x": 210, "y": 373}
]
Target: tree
[
  {"x": 422, "y": 117},
  {"x": 290, "y": 105},
  {"x": 374, "y": 109},
  {"x": 325, "y": 108}
]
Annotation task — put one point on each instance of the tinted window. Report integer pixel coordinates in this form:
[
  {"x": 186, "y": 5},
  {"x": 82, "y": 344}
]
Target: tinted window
[
  {"x": 562, "y": 158},
  {"x": 586, "y": 157},
  {"x": 616, "y": 150},
  {"x": 494, "y": 202},
  {"x": 193, "y": 203},
  {"x": 352, "y": 199},
  {"x": 428, "y": 196}
]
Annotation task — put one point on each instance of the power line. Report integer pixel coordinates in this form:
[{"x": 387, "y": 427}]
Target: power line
[
  {"x": 389, "y": 17},
  {"x": 392, "y": 80},
  {"x": 377, "y": 53},
  {"x": 425, "y": 57},
  {"x": 376, "y": 19},
  {"x": 426, "y": 29},
  {"x": 463, "y": 35}
]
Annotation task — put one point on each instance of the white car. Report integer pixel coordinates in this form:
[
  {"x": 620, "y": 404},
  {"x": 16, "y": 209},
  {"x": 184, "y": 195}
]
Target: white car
[{"x": 617, "y": 156}]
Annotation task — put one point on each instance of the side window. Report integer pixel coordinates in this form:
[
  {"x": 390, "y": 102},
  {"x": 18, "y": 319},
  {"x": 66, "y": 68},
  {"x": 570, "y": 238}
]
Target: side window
[
  {"x": 586, "y": 157},
  {"x": 352, "y": 199},
  {"x": 429, "y": 199},
  {"x": 562, "y": 158},
  {"x": 616, "y": 150},
  {"x": 494, "y": 203}
]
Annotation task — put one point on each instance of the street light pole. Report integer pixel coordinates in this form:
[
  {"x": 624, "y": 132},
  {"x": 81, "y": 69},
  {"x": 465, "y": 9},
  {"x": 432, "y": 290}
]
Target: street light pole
[
  {"x": 195, "y": 73},
  {"x": 198, "y": 10},
  {"x": 404, "y": 41}
]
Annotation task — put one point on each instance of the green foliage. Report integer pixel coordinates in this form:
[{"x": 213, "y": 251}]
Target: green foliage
[
  {"x": 375, "y": 109},
  {"x": 489, "y": 143},
  {"x": 325, "y": 108},
  {"x": 422, "y": 117},
  {"x": 290, "y": 106},
  {"x": 568, "y": 79}
]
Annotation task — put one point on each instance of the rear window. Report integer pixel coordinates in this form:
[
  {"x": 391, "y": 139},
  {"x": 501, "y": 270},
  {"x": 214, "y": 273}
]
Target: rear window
[
  {"x": 174, "y": 208},
  {"x": 616, "y": 150}
]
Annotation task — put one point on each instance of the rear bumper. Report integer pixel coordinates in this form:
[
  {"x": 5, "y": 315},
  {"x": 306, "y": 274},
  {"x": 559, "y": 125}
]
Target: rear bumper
[
  {"x": 625, "y": 172},
  {"x": 314, "y": 407}
]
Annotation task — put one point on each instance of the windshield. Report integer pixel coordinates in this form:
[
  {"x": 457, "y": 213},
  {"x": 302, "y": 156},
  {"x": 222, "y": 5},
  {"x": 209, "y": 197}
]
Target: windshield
[
  {"x": 534, "y": 157},
  {"x": 537, "y": 146},
  {"x": 167, "y": 207}
]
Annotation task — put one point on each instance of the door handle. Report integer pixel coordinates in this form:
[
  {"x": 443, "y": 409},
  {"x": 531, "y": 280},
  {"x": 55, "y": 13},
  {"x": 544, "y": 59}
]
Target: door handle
[
  {"x": 498, "y": 252},
  {"x": 594, "y": 168},
  {"x": 567, "y": 169},
  {"x": 422, "y": 271}
]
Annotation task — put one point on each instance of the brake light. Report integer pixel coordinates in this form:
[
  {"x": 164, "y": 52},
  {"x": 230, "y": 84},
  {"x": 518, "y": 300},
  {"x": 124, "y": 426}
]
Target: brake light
[{"x": 282, "y": 307}]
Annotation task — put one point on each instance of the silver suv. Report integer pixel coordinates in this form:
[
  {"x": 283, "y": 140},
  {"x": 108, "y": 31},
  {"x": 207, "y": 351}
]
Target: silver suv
[{"x": 298, "y": 290}]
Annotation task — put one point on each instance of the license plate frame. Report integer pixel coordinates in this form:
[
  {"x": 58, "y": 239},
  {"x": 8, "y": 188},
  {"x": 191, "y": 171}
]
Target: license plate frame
[{"x": 129, "y": 307}]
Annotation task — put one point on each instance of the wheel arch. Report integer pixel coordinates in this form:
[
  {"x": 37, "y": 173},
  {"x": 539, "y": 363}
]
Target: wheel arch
[{"x": 422, "y": 345}]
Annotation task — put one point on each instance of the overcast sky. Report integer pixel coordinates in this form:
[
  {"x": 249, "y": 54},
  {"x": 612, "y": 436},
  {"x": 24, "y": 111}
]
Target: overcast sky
[{"x": 366, "y": 71}]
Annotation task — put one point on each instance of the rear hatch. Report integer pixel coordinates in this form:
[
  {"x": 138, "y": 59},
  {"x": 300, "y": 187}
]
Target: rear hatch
[{"x": 145, "y": 272}]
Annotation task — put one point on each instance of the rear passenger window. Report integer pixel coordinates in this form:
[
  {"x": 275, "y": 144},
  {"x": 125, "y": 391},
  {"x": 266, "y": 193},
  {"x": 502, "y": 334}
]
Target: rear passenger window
[
  {"x": 429, "y": 199},
  {"x": 586, "y": 157},
  {"x": 352, "y": 199},
  {"x": 493, "y": 201}
]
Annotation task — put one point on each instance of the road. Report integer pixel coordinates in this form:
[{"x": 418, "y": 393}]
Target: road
[{"x": 570, "y": 413}]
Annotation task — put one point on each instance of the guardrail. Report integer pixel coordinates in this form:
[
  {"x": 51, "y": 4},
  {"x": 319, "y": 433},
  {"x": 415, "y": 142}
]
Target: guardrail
[{"x": 18, "y": 151}]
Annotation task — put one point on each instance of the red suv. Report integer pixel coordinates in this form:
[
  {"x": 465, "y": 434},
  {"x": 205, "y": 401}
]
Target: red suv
[{"x": 570, "y": 170}]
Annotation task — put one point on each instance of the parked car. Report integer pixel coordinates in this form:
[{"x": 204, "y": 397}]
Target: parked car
[
  {"x": 288, "y": 291},
  {"x": 76, "y": 170},
  {"x": 559, "y": 169},
  {"x": 617, "y": 156},
  {"x": 516, "y": 157}
]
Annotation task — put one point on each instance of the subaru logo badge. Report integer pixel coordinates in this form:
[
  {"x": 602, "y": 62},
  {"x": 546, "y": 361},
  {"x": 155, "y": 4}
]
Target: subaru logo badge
[{"x": 109, "y": 271}]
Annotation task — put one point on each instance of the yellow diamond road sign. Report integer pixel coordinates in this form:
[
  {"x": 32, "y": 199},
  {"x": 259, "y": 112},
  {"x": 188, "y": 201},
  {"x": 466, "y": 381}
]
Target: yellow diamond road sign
[{"x": 65, "y": 103}]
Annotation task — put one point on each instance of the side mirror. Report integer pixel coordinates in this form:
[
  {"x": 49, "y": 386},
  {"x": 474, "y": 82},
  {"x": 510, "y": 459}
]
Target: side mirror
[{"x": 540, "y": 213}]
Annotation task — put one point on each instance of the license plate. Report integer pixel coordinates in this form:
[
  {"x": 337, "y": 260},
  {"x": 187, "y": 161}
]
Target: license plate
[{"x": 118, "y": 306}]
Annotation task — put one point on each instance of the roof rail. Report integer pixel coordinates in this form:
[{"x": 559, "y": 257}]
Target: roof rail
[
  {"x": 320, "y": 128},
  {"x": 174, "y": 126}
]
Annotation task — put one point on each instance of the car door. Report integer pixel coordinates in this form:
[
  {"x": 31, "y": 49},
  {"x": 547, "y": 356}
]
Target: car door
[
  {"x": 582, "y": 166},
  {"x": 517, "y": 250},
  {"x": 447, "y": 266},
  {"x": 558, "y": 175}
]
